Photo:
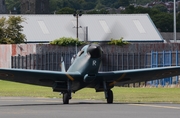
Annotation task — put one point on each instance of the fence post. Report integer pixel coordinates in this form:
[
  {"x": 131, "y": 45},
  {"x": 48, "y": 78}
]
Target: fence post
[
  {"x": 177, "y": 60},
  {"x": 133, "y": 61},
  {"x": 117, "y": 61},
  {"x": 122, "y": 60},
  {"x": 163, "y": 80},
  {"x": 152, "y": 64},
  {"x": 57, "y": 61},
  {"x": 12, "y": 62},
  {"x": 42, "y": 61},
  {"x": 157, "y": 81},
  {"x": 127, "y": 59},
  {"x": 37, "y": 62},
  {"x": 138, "y": 61},
  {"x": 48, "y": 60},
  {"x": 22, "y": 62},
  {"x": 170, "y": 65}
]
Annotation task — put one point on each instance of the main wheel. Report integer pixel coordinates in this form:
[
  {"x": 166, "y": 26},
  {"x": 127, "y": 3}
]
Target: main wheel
[
  {"x": 110, "y": 96},
  {"x": 65, "y": 98}
]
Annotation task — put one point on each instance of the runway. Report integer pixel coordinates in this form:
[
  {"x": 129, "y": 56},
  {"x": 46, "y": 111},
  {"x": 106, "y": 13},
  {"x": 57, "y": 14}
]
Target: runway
[{"x": 24, "y": 107}]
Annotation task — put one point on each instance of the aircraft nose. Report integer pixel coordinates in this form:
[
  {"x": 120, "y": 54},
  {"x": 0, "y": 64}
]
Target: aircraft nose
[{"x": 95, "y": 51}]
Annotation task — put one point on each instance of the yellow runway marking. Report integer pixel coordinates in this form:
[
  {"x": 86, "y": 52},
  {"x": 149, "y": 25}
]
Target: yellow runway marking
[{"x": 155, "y": 106}]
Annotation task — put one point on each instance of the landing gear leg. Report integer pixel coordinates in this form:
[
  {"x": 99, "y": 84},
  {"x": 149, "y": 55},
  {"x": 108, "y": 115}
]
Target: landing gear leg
[
  {"x": 67, "y": 95},
  {"x": 108, "y": 93}
]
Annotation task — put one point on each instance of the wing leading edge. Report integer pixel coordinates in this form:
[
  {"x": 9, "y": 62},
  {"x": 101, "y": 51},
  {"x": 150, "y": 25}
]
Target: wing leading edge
[
  {"x": 47, "y": 78},
  {"x": 37, "y": 77},
  {"x": 138, "y": 75}
]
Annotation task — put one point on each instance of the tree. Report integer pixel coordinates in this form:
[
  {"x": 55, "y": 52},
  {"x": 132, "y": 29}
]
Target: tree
[
  {"x": 140, "y": 2},
  {"x": 102, "y": 11},
  {"x": 99, "y": 5},
  {"x": 163, "y": 21},
  {"x": 153, "y": 11},
  {"x": 134, "y": 10},
  {"x": 94, "y": 1},
  {"x": 160, "y": 7},
  {"x": 113, "y": 3},
  {"x": 129, "y": 10},
  {"x": 65, "y": 10},
  {"x": 142, "y": 10},
  {"x": 13, "y": 5},
  {"x": 11, "y": 29},
  {"x": 2, "y": 25},
  {"x": 124, "y": 3},
  {"x": 54, "y": 5},
  {"x": 178, "y": 22},
  {"x": 88, "y": 5}
]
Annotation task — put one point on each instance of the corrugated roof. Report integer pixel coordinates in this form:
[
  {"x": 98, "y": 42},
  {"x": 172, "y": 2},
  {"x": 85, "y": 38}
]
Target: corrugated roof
[{"x": 132, "y": 27}]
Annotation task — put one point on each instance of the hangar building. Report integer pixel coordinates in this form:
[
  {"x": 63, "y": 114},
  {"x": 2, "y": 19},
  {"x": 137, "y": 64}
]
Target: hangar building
[{"x": 131, "y": 27}]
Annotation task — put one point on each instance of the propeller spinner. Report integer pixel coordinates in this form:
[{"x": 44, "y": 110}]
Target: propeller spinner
[{"x": 95, "y": 50}]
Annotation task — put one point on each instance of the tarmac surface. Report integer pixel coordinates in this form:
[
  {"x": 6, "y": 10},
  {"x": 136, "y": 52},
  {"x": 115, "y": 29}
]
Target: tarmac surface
[{"x": 25, "y": 107}]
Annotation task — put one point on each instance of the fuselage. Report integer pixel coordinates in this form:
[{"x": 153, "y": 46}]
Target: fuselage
[{"x": 87, "y": 62}]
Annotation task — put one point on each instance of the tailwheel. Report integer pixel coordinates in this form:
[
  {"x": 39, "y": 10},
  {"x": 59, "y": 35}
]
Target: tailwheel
[
  {"x": 66, "y": 97},
  {"x": 109, "y": 96}
]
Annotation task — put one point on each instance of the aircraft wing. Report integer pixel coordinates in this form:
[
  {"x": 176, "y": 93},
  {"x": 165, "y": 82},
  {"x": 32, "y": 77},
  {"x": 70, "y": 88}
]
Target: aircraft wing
[
  {"x": 37, "y": 77},
  {"x": 138, "y": 75}
]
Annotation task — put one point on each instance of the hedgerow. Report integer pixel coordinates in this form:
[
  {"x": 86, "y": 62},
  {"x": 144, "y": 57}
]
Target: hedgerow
[
  {"x": 67, "y": 41},
  {"x": 118, "y": 42}
]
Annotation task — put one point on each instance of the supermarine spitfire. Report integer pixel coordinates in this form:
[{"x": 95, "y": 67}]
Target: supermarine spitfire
[{"x": 84, "y": 73}]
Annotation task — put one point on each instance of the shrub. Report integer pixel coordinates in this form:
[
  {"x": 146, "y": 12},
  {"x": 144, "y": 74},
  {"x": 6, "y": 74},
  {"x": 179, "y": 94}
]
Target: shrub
[
  {"x": 119, "y": 42},
  {"x": 64, "y": 41}
]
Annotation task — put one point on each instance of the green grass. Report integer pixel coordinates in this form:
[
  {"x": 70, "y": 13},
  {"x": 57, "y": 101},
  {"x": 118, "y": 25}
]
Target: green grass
[
  {"x": 13, "y": 89},
  {"x": 121, "y": 94}
]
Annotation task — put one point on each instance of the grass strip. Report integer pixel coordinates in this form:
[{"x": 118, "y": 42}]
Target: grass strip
[{"x": 121, "y": 94}]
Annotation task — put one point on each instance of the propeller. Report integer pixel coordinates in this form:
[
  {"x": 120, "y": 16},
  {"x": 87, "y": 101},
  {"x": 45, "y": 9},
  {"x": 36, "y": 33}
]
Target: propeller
[{"x": 94, "y": 49}]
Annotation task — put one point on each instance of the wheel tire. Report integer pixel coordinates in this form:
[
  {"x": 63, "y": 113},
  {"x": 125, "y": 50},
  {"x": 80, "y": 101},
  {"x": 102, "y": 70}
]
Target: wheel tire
[
  {"x": 110, "y": 96},
  {"x": 65, "y": 98}
]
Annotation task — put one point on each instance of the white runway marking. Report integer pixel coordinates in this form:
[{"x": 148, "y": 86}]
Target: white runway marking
[{"x": 155, "y": 106}]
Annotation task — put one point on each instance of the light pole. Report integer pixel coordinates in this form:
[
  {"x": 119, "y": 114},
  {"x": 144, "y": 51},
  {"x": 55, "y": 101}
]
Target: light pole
[
  {"x": 174, "y": 20},
  {"x": 77, "y": 14}
]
